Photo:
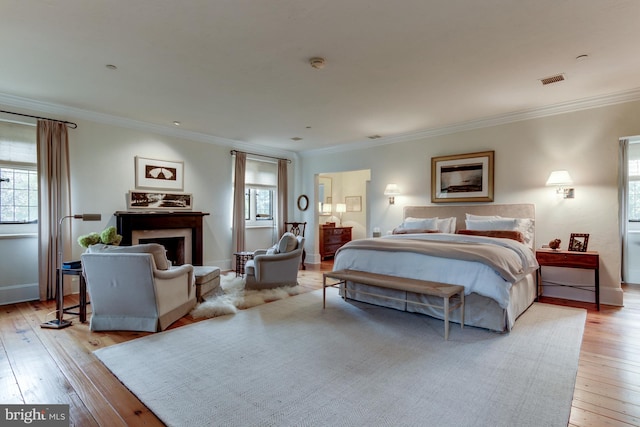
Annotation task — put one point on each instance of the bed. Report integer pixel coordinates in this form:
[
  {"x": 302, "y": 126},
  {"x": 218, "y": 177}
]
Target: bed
[{"x": 428, "y": 246}]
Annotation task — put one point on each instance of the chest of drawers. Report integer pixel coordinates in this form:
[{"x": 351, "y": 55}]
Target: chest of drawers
[{"x": 332, "y": 238}]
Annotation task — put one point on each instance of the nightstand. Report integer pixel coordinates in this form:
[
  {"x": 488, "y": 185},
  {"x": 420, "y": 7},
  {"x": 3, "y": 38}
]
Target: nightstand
[{"x": 570, "y": 259}]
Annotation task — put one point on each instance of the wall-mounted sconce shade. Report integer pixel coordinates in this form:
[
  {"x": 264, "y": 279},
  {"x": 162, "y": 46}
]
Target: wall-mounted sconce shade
[
  {"x": 340, "y": 208},
  {"x": 562, "y": 179},
  {"x": 391, "y": 190}
]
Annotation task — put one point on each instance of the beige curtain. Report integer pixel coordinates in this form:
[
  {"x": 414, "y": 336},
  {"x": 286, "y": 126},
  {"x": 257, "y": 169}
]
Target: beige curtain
[
  {"x": 238, "y": 201},
  {"x": 282, "y": 196},
  {"x": 53, "y": 189}
]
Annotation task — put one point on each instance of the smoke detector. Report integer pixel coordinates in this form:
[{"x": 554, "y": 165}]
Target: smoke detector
[{"x": 317, "y": 63}]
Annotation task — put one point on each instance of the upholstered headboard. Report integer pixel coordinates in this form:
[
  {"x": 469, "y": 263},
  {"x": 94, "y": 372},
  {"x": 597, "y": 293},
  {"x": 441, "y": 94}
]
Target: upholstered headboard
[{"x": 524, "y": 210}]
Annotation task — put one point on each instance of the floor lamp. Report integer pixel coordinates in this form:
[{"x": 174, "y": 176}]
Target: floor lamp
[{"x": 59, "y": 322}]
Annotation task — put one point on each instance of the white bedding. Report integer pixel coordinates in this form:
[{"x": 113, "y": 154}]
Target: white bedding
[{"x": 474, "y": 276}]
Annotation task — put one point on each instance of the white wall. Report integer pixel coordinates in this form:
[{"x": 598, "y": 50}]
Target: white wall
[
  {"x": 585, "y": 143},
  {"x": 19, "y": 266}
]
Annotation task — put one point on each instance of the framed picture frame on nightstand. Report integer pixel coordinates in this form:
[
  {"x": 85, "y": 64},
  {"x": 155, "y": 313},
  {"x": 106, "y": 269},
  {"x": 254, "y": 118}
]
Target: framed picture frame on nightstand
[{"x": 578, "y": 242}]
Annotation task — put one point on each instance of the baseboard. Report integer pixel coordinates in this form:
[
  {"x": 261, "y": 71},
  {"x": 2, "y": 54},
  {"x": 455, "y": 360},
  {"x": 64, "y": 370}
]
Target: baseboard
[
  {"x": 19, "y": 293},
  {"x": 612, "y": 296}
]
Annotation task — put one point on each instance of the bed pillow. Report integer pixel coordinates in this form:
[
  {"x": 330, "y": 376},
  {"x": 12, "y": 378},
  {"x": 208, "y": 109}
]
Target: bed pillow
[
  {"x": 401, "y": 230},
  {"x": 491, "y": 224},
  {"x": 502, "y": 234},
  {"x": 447, "y": 225},
  {"x": 420, "y": 223},
  {"x": 523, "y": 225},
  {"x": 482, "y": 217}
]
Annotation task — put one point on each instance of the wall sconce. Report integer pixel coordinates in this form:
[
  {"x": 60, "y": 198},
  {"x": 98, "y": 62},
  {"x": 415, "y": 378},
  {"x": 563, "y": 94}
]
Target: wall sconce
[
  {"x": 59, "y": 322},
  {"x": 392, "y": 190},
  {"x": 562, "y": 179},
  {"x": 340, "y": 208}
]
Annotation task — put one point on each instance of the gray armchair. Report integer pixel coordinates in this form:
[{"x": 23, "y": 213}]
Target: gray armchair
[
  {"x": 277, "y": 266},
  {"x": 134, "y": 288}
]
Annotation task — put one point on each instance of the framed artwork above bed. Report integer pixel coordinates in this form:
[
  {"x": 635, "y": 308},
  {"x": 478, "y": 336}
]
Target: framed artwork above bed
[{"x": 462, "y": 178}]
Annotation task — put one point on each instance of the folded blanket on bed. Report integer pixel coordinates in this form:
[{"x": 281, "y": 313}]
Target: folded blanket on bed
[{"x": 505, "y": 260}]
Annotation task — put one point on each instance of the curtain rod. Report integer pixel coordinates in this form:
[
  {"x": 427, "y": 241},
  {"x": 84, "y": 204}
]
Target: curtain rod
[
  {"x": 70, "y": 124},
  {"x": 261, "y": 155}
]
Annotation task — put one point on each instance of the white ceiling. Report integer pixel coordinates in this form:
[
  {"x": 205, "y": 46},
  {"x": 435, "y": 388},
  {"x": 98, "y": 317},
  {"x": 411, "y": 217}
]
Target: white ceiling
[{"x": 239, "y": 69}]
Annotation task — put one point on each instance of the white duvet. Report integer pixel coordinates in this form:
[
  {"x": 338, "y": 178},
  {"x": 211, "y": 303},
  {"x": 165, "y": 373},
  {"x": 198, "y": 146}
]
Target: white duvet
[{"x": 474, "y": 276}]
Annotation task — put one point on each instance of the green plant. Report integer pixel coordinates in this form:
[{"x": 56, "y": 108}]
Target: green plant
[{"x": 108, "y": 236}]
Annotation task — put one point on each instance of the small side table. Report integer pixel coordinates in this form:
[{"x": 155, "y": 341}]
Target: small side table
[
  {"x": 82, "y": 306},
  {"x": 570, "y": 259},
  {"x": 241, "y": 260}
]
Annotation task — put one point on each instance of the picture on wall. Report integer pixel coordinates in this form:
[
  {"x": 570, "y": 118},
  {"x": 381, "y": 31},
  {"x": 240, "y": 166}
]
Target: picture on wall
[
  {"x": 462, "y": 178},
  {"x": 354, "y": 203},
  {"x": 165, "y": 201},
  {"x": 159, "y": 174}
]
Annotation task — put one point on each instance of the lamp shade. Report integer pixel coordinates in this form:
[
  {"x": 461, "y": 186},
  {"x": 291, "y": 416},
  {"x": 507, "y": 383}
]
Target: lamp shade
[
  {"x": 326, "y": 208},
  {"x": 391, "y": 190},
  {"x": 559, "y": 178},
  {"x": 341, "y": 207}
]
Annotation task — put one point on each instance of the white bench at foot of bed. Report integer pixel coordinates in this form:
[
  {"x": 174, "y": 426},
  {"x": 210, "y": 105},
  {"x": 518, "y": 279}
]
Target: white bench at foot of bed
[{"x": 442, "y": 290}]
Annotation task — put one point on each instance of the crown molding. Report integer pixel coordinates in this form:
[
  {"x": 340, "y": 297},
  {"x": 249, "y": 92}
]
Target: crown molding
[
  {"x": 534, "y": 113},
  {"x": 561, "y": 108},
  {"x": 107, "y": 119}
]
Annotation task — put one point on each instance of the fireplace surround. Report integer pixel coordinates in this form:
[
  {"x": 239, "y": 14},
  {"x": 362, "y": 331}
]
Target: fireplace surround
[{"x": 144, "y": 227}]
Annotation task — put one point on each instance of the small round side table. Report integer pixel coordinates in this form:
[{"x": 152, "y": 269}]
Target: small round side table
[{"x": 241, "y": 260}]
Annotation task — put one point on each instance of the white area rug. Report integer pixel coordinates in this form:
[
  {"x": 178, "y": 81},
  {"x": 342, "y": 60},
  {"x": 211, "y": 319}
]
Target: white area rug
[
  {"x": 234, "y": 297},
  {"x": 291, "y": 363}
]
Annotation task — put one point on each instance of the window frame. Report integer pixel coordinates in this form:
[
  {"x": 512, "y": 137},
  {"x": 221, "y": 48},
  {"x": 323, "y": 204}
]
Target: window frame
[
  {"x": 253, "y": 221},
  {"x": 635, "y": 178},
  {"x": 30, "y": 168}
]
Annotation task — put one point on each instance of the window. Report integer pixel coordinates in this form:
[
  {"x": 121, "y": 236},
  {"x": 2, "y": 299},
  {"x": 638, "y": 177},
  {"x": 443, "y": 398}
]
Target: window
[
  {"x": 258, "y": 206},
  {"x": 18, "y": 173},
  {"x": 18, "y": 195},
  {"x": 261, "y": 180}
]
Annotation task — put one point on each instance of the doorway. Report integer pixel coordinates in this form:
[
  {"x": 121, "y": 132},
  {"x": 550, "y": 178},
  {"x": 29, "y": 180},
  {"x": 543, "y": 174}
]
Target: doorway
[{"x": 348, "y": 189}]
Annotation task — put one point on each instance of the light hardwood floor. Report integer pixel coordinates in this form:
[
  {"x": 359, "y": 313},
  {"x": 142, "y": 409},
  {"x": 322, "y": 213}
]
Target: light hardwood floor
[{"x": 57, "y": 366}]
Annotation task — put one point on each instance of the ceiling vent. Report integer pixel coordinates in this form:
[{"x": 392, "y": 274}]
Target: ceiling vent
[
  {"x": 296, "y": 138},
  {"x": 553, "y": 79}
]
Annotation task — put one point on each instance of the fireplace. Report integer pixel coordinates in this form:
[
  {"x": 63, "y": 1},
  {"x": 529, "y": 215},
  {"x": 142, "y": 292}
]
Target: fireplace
[
  {"x": 179, "y": 232},
  {"x": 177, "y": 242}
]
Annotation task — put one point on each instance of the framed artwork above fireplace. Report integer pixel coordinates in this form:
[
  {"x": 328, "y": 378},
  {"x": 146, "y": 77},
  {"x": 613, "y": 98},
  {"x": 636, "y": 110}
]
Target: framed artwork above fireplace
[
  {"x": 159, "y": 174},
  {"x": 149, "y": 200}
]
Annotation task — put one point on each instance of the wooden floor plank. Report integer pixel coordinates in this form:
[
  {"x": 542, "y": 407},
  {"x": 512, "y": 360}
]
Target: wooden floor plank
[
  {"x": 38, "y": 376},
  {"x": 96, "y": 386},
  {"x": 9, "y": 389}
]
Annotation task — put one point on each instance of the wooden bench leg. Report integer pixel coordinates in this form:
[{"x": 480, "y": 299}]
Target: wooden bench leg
[
  {"x": 324, "y": 292},
  {"x": 446, "y": 318},
  {"x": 462, "y": 310}
]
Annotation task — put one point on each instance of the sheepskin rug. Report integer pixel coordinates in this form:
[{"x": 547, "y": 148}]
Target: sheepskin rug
[{"x": 232, "y": 297}]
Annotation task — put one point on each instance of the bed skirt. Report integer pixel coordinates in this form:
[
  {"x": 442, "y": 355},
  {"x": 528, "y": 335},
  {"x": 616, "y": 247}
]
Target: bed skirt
[{"x": 480, "y": 311}]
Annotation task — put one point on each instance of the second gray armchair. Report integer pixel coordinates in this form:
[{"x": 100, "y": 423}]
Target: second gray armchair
[{"x": 277, "y": 266}]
